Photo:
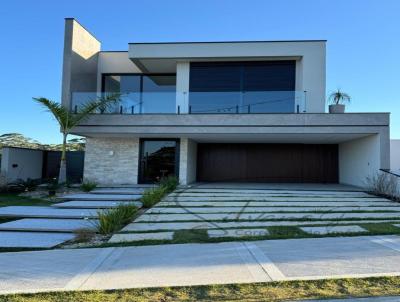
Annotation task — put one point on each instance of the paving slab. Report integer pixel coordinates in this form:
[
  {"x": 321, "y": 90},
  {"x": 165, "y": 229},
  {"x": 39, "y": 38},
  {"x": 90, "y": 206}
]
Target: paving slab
[
  {"x": 334, "y": 229},
  {"x": 44, "y": 270},
  {"x": 124, "y": 191},
  {"x": 48, "y": 225},
  {"x": 162, "y": 226},
  {"x": 276, "y": 186},
  {"x": 32, "y": 239},
  {"x": 118, "y": 238},
  {"x": 262, "y": 216},
  {"x": 89, "y": 196},
  {"x": 270, "y": 194},
  {"x": 246, "y": 191},
  {"x": 46, "y": 212},
  {"x": 335, "y": 257},
  {"x": 198, "y": 264},
  {"x": 273, "y": 203},
  {"x": 220, "y": 233},
  {"x": 184, "y": 264},
  {"x": 183, "y": 210},
  {"x": 94, "y": 204},
  {"x": 397, "y": 225},
  {"x": 272, "y": 198}
]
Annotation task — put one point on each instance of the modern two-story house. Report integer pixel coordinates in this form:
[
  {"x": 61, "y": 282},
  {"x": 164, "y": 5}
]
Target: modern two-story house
[{"x": 217, "y": 112}]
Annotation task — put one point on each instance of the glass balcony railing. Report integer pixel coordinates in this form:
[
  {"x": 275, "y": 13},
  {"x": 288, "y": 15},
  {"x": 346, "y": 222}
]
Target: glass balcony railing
[
  {"x": 247, "y": 102},
  {"x": 230, "y": 102},
  {"x": 129, "y": 103}
]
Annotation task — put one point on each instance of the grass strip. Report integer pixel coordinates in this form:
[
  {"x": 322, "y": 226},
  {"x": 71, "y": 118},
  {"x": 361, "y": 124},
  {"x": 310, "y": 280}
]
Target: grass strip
[
  {"x": 272, "y": 291},
  {"x": 15, "y": 200},
  {"x": 275, "y": 232}
]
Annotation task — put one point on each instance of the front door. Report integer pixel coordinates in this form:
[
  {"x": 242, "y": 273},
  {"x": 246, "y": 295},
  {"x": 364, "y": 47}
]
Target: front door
[{"x": 158, "y": 159}]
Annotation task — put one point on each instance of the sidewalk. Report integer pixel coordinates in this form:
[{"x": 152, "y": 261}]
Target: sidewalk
[{"x": 197, "y": 264}]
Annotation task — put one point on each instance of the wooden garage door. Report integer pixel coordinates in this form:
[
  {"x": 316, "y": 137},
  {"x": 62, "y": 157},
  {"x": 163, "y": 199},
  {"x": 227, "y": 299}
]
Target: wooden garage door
[{"x": 292, "y": 163}]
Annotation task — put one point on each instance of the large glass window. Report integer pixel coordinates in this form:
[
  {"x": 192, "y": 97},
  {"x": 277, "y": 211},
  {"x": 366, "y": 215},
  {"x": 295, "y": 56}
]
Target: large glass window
[
  {"x": 229, "y": 87},
  {"x": 143, "y": 93},
  {"x": 158, "y": 159}
]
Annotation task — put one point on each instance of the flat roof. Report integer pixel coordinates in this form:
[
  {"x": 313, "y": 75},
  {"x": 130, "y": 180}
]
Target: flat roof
[{"x": 207, "y": 42}]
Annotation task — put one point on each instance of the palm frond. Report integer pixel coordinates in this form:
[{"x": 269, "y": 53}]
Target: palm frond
[
  {"x": 339, "y": 97},
  {"x": 59, "y": 112},
  {"x": 90, "y": 107}
]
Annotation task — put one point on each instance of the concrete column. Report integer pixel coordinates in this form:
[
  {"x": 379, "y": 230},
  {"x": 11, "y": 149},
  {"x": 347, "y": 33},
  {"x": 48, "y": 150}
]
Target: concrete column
[
  {"x": 187, "y": 161},
  {"x": 313, "y": 79},
  {"x": 182, "y": 86}
]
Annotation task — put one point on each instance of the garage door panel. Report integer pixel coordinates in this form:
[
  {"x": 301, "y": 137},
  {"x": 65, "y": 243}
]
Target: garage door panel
[
  {"x": 295, "y": 163},
  {"x": 220, "y": 162}
]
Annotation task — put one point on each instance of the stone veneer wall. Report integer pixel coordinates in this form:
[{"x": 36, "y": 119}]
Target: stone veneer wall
[{"x": 111, "y": 161}]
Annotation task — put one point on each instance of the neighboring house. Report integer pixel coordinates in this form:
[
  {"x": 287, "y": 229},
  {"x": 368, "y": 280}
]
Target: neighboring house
[
  {"x": 217, "y": 111},
  {"x": 25, "y": 163},
  {"x": 395, "y": 155}
]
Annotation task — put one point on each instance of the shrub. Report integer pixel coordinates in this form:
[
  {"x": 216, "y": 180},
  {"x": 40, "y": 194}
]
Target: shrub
[
  {"x": 88, "y": 186},
  {"x": 30, "y": 184},
  {"x": 20, "y": 185},
  {"x": 169, "y": 183},
  {"x": 384, "y": 184},
  {"x": 53, "y": 186},
  {"x": 114, "y": 219},
  {"x": 84, "y": 234},
  {"x": 153, "y": 196}
]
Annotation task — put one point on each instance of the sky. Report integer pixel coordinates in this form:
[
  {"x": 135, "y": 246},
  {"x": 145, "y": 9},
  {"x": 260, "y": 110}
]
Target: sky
[{"x": 362, "y": 50}]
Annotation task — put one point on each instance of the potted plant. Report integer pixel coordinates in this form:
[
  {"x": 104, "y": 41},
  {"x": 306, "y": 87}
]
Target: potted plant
[
  {"x": 52, "y": 186},
  {"x": 337, "y": 101}
]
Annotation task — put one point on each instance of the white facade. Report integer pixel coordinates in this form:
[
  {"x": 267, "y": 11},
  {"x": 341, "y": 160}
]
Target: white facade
[
  {"x": 395, "y": 155},
  {"x": 113, "y": 150},
  {"x": 310, "y": 59}
]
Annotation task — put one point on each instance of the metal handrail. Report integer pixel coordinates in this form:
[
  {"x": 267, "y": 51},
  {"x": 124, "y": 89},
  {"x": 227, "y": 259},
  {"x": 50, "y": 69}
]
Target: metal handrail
[{"x": 397, "y": 174}]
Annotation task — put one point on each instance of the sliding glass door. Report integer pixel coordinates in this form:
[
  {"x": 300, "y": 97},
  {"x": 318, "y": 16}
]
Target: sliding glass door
[{"x": 158, "y": 159}]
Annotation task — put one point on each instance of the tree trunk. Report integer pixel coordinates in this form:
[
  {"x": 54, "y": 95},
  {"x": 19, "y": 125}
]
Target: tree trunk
[{"x": 62, "y": 176}]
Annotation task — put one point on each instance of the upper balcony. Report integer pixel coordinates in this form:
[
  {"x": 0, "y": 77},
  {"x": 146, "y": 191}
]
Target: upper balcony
[{"x": 226, "y": 102}]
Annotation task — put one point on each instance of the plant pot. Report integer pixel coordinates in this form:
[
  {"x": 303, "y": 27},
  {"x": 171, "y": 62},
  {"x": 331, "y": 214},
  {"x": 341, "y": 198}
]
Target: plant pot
[{"x": 339, "y": 108}]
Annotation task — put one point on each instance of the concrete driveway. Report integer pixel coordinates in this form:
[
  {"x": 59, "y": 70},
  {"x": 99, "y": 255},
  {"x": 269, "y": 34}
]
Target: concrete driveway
[{"x": 197, "y": 264}]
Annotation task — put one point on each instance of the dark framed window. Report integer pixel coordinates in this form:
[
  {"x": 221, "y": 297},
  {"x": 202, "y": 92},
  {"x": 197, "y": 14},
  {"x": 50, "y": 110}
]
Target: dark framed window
[
  {"x": 226, "y": 87},
  {"x": 158, "y": 158},
  {"x": 143, "y": 93}
]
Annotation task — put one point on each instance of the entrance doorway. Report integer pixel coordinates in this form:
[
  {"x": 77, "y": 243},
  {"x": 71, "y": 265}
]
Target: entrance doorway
[{"x": 158, "y": 159}]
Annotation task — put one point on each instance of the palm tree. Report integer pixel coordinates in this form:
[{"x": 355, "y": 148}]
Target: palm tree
[
  {"x": 338, "y": 97},
  {"x": 68, "y": 120}
]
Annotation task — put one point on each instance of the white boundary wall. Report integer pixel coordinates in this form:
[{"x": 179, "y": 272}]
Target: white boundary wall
[
  {"x": 359, "y": 159},
  {"x": 19, "y": 163},
  {"x": 395, "y": 154}
]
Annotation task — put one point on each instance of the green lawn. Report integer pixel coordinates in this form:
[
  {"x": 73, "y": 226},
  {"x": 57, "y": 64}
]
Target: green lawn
[
  {"x": 274, "y": 291},
  {"x": 10, "y": 199}
]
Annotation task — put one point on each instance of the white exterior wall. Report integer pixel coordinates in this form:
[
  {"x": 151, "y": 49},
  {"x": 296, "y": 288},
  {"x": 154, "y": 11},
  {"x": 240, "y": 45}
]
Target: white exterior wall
[
  {"x": 28, "y": 163},
  {"x": 187, "y": 161},
  {"x": 310, "y": 56},
  {"x": 359, "y": 159},
  {"x": 111, "y": 161},
  {"x": 395, "y": 154}
]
